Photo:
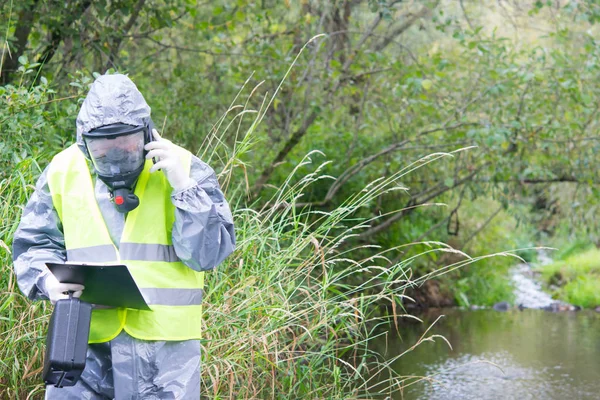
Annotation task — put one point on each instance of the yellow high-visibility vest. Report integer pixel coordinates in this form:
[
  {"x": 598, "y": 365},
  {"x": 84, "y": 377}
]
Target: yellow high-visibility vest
[{"x": 172, "y": 290}]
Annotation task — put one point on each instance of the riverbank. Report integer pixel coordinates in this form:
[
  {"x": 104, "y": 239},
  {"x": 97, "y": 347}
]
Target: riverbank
[{"x": 574, "y": 279}]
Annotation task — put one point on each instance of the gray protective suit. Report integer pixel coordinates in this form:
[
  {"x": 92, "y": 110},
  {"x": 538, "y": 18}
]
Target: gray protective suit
[{"x": 203, "y": 235}]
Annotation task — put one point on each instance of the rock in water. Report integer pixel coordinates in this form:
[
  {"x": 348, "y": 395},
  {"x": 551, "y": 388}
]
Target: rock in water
[{"x": 502, "y": 306}]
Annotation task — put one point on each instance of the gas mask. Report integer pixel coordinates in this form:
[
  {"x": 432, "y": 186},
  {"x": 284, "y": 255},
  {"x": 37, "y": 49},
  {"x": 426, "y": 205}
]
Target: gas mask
[{"x": 117, "y": 152}]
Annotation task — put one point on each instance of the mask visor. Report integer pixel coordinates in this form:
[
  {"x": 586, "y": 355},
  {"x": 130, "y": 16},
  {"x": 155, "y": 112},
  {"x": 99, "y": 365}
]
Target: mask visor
[{"x": 118, "y": 155}]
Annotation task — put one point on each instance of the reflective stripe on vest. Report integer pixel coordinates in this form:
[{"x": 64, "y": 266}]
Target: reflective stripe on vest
[
  {"x": 173, "y": 297},
  {"x": 129, "y": 251},
  {"x": 172, "y": 290}
]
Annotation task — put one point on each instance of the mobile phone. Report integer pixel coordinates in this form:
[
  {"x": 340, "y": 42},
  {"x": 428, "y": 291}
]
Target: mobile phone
[{"x": 150, "y": 135}]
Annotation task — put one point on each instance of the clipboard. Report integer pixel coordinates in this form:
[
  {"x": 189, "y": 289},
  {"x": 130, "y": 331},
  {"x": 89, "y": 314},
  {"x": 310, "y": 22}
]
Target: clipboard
[{"x": 107, "y": 285}]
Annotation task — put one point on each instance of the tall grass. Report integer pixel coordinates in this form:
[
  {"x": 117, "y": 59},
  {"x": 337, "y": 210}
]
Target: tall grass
[
  {"x": 289, "y": 314},
  {"x": 282, "y": 319},
  {"x": 22, "y": 324}
]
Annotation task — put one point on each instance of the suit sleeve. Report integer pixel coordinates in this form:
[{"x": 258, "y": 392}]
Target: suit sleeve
[
  {"x": 203, "y": 234},
  {"x": 38, "y": 239}
]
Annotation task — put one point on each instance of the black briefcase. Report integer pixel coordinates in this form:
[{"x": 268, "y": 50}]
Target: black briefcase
[{"x": 67, "y": 341}]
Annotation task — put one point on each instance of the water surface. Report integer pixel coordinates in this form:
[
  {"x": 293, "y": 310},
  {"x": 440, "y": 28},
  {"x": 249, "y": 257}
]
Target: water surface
[{"x": 530, "y": 354}]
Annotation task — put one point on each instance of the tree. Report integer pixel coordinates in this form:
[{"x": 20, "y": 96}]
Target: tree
[{"x": 80, "y": 32}]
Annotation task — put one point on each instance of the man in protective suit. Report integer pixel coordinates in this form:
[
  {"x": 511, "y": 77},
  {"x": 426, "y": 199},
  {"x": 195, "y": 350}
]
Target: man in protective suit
[{"x": 123, "y": 194}]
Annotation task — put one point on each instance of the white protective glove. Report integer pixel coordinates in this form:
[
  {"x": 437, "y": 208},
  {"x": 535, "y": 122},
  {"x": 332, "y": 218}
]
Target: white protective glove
[
  {"x": 57, "y": 291},
  {"x": 168, "y": 161}
]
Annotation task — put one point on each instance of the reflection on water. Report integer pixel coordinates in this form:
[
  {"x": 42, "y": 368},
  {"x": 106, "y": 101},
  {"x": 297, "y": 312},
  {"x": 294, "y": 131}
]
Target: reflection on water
[{"x": 530, "y": 354}]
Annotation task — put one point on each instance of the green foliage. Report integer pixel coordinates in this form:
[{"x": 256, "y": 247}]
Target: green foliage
[
  {"x": 93, "y": 32},
  {"x": 569, "y": 269},
  {"x": 387, "y": 85},
  {"x": 487, "y": 283},
  {"x": 572, "y": 248},
  {"x": 34, "y": 126},
  {"x": 583, "y": 291},
  {"x": 485, "y": 287},
  {"x": 453, "y": 88},
  {"x": 576, "y": 279},
  {"x": 32, "y": 135}
]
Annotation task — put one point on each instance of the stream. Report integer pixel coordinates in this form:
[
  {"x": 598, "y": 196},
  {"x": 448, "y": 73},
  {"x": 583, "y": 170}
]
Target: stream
[{"x": 528, "y": 353}]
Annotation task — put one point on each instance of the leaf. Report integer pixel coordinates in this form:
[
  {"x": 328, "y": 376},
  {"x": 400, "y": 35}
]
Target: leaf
[
  {"x": 568, "y": 116},
  {"x": 427, "y": 84},
  {"x": 449, "y": 182},
  {"x": 463, "y": 299},
  {"x": 23, "y": 60}
]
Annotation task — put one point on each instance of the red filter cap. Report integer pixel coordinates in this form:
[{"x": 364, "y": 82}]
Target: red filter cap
[{"x": 119, "y": 200}]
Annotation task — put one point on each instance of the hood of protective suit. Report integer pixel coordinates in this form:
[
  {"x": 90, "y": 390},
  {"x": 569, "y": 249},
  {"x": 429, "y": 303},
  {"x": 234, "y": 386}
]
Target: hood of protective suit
[{"x": 111, "y": 99}]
